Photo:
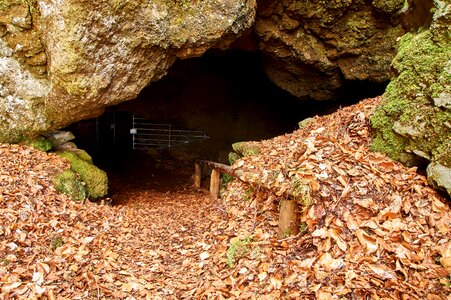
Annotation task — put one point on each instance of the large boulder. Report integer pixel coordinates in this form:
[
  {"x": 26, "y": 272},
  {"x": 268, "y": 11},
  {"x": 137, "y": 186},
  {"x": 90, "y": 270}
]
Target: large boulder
[
  {"x": 63, "y": 61},
  {"x": 413, "y": 124},
  {"x": 311, "y": 47}
]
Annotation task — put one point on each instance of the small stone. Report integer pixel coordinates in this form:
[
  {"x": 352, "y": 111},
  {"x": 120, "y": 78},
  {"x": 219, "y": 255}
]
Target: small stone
[
  {"x": 439, "y": 176},
  {"x": 444, "y": 100}
]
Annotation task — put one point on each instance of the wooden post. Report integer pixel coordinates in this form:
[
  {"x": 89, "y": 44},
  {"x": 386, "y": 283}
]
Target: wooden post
[
  {"x": 197, "y": 175},
  {"x": 288, "y": 223},
  {"x": 214, "y": 184}
]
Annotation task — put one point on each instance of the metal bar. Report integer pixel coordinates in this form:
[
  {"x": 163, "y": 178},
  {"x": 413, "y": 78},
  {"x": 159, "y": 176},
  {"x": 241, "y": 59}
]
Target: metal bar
[
  {"x": 133, "y": 126},
  {"x": 148, "y": 135},
  {"x": 169, "y": 139},
  {"x": 114, "y": 129}
]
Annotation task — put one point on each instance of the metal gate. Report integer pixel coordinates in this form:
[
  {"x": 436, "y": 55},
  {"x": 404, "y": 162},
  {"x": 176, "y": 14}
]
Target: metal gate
[{"x": 160, "y": 136}]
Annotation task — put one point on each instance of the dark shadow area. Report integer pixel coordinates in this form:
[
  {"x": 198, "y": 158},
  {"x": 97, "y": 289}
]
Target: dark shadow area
[{"x": 224, "y": 94}]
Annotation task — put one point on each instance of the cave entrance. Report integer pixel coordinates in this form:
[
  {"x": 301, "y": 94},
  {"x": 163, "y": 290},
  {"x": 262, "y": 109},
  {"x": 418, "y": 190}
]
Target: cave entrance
[{"x": 223, "y": 95}]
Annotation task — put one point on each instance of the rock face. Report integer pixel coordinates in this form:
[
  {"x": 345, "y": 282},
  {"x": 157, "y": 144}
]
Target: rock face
[
  {"x": 63, "y": 61},
  {"x": 413, "y": 124},
  {"x": 311, "y": 47}
]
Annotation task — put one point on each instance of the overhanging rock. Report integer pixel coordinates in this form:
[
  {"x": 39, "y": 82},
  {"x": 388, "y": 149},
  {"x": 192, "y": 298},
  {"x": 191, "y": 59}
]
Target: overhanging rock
[{"x": 63, "y": 61}]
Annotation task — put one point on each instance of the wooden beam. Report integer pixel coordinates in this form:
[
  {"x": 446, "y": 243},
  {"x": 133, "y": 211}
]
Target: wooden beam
[
  {"x": 222, "y": 168},
  {"x": 300, "y": 194},
  {"x": 197, "y": 175},
  {"x": 214, "y": 184},
  {"x": 288, "y": 219}
]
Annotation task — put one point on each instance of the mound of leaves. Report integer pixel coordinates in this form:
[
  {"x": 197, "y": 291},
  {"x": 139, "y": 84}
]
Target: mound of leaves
[{"x": 372, "y": 228}]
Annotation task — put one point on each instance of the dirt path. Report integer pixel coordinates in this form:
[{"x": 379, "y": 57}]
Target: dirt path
[{"x": 171, "y": 228}]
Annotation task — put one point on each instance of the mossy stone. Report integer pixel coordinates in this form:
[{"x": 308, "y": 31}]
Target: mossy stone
[
  {"x": 408, "y": 120},
  {"x": 413, "y": 122},
  {"x": 304, "y": 123},
  {"x": 246, "y": 148},
  {"x": 95, "y": 179},
  {"x": 388, "y": 6},
  {"x": 233, "y": 157},
  {"x": 68, "y": 183},
  {"x": 84, "y": 155},
  {"x": 39, "y": 143}
]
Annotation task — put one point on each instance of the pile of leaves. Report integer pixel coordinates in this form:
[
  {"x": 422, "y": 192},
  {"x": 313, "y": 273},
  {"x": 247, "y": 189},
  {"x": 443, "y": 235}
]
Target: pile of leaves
[
  {"x": 152, "y": 246},
  {"x": 371, "y": 227}
]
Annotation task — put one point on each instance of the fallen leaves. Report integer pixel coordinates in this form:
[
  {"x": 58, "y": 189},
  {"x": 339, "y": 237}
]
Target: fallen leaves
[
  {"x": 374, "y": 229},
  {"x": 54, "y": 248}
]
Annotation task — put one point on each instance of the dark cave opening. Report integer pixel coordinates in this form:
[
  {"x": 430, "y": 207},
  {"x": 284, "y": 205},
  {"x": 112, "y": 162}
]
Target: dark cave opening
[{"x": 224, "y": 94}]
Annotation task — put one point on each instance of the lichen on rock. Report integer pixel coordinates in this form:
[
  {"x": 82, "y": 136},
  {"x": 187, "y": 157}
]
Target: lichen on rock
[
  {"x": 22, "y": 98},
  {"x": 439, "y": 176},
  {"x": 414, "y": 121},
  {"x": 21, "y": 34}
]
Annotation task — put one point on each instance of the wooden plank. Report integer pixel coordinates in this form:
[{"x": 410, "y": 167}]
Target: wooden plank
[
  {"x": 222, "y": 168},
  {"x": 197, "y": 175},
  {"x": 214, "y": 184},
  {"x": 288, "y": 223}
]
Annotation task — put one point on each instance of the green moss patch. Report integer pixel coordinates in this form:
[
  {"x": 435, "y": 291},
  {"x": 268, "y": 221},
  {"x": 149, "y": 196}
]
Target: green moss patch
[
  {"x": 238, "y": 249},
  {"x": 408, "y": 119},
  {"x": 95, "y": 179},
  {"x": 69, "y": 183},
  {"x": 246, "y": 148},
  {"x": 413, "y": 123},
  {"x": 84, "y": 156},
  {"x": 39, "y": 143}
]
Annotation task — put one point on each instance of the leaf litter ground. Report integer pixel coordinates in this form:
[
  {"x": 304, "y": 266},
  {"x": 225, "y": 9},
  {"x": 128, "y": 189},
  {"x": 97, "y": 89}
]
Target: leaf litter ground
[{"x": 374, "y": 229}]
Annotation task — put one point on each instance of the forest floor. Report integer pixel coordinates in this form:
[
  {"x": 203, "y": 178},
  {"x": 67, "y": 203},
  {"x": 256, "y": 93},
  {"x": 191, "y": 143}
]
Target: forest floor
[{"x": 373, "y": 228}]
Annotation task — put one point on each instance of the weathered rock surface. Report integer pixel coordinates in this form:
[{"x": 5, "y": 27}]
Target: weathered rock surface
[
  {"x": 413, "y": 124},
  {"x": 62, "y": 61},
  {"x": 311, "y": 47}
]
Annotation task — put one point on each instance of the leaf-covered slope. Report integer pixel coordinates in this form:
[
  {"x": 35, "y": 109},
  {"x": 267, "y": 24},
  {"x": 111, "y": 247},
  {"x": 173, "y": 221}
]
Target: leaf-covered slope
[{"x": 374, "y": 228}]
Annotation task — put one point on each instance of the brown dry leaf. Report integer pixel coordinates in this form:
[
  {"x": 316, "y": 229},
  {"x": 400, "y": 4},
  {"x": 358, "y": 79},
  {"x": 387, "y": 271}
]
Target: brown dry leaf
[
  {"x": 370, "y": 243},
  {"x": 335, "y": 233},
  {"x": 328, "y": 263},
  {"x": 382, "y": 271}
]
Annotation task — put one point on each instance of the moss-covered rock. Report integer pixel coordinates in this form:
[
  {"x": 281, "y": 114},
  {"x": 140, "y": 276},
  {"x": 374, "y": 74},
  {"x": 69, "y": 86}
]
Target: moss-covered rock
[
  {"x": 413, "y": 123},
  {"x": 64, "y": 61},
  {"x": 388, "y": 6},
  {"x": 311, "y": 47},
  {"x": 40, "y": 143},
  {"x": 84, "y": 156},
  {"x": 233, "y": 157},
  {"x": 304, "y": 123},
  {"x": 69, "y": 183},
  {"x": 95, "y": 179},
  {"x": 246, "y": 148}
]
